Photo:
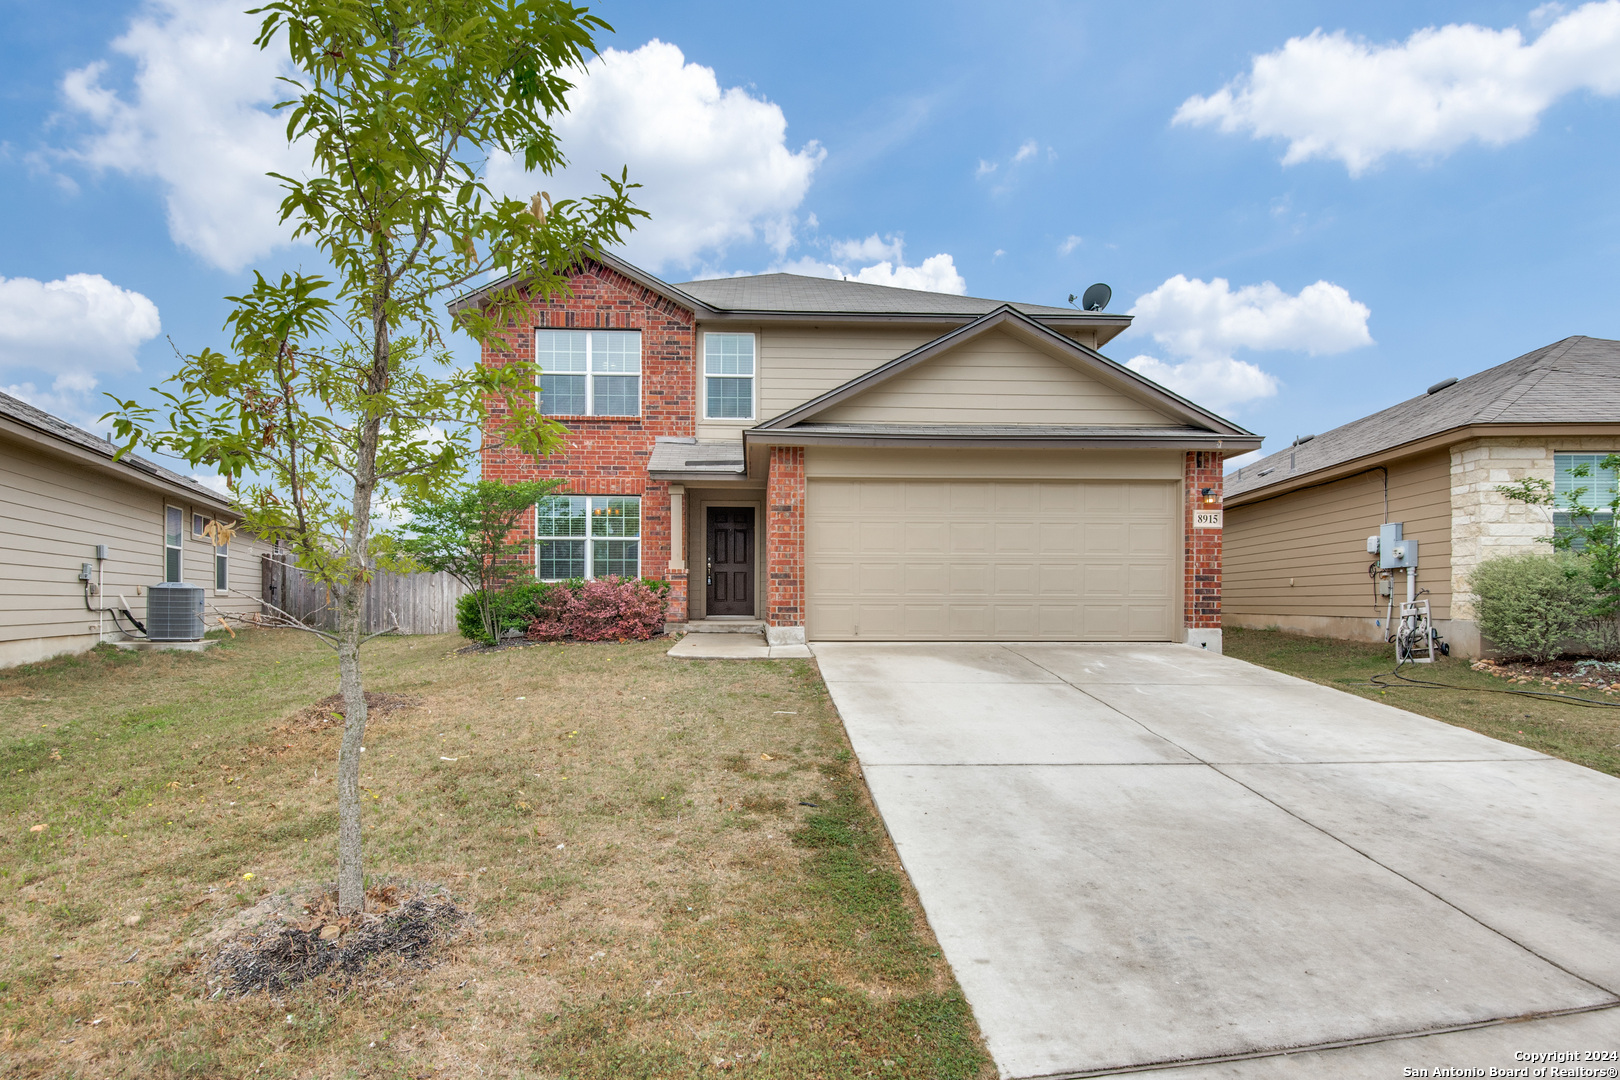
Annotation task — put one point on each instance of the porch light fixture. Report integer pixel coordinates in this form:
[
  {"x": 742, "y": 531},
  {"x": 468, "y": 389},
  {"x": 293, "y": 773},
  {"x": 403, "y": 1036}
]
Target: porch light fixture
[{"x": 1208, "y": 494}]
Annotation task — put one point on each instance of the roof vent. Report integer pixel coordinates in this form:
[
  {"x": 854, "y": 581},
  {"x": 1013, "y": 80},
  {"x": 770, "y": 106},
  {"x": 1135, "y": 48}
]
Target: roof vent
[
  {"x": 1441, "y": 385},
  {"x": 1300, "y": 440}
]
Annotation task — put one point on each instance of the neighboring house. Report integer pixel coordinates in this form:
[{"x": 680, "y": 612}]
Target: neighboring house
[
  {"x": 843, "y": 461},
  {"x": 61, "y": 495},
  {"x": 1297, "y": 522}
]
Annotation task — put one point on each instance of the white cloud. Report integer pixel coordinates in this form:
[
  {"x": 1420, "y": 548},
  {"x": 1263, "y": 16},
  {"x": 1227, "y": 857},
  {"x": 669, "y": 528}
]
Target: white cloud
[
  {"x": 1196, "y": 318},
  {"x": 1337, "y": 97},
  {"x": 197, "y": 120},
  {"x": 985, "y": 168},
  {"x": 937, "y": 273},
  {"x": 1069, "y": 244},
  {"x": 74, "y": 329},
  {"x": 1028, "y": 150},
  {"x": 216, "y": 484},
  {"x": 715, "y": 164},
  {"x": 873, "y": 247},
  {"x": 1217, "y": 383},
  {"x": 1204, "y": 323}
]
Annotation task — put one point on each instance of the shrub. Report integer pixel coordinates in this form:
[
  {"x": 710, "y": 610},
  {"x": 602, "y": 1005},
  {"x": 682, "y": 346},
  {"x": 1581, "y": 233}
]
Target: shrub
[
  {"x": 608, "y": 609},
  {"x": 512, "y": 608},
  {"x": 1528, "y": 605}
]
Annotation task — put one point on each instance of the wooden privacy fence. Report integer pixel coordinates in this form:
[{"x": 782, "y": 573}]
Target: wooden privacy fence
[{"x": 417, "y": 603}]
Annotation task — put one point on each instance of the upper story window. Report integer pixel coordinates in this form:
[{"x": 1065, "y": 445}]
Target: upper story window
[
  {"x": 589, "y": 372},
  {"x": 728, "y": 376},
  {"x": 1582, "y": 479}
]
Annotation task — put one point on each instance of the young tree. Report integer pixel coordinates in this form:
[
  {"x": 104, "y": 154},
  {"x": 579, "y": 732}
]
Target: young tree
[
  {"x": 340, "y": 393},
  {"x": 464, "y": 533}
]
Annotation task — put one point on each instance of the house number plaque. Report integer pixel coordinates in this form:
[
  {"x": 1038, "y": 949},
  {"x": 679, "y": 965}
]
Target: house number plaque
[{"x": 1207, "y": 519}]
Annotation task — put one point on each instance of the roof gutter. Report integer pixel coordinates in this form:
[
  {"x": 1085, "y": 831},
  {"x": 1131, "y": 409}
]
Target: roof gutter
[{"x": 1227, "y": 444}]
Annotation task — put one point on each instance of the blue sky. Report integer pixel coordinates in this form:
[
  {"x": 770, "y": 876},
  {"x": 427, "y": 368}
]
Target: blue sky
[{"x": 1314, "y": 210}]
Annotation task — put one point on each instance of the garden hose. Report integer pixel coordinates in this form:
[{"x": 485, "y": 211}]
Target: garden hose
[{"x": 1428, "y": 684}]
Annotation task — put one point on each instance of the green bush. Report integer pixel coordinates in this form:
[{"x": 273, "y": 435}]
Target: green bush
[
  {"x": 1529, "y": 605},
  {"x": 513, "y": 607}
]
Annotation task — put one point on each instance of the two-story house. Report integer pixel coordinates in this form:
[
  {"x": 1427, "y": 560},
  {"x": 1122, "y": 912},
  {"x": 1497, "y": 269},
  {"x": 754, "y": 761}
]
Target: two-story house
[{"x": 849, "y": 461}]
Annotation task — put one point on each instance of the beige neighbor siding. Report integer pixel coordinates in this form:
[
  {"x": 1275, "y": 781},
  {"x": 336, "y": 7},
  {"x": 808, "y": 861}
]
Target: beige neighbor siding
[
  {"x": 1300, "y": 560},
  {"x": 800, "y": 363},
  {"x": 994, "y": 379},
  {"x": 53, "y": 513},
  {"x": 992, "y": 545}
]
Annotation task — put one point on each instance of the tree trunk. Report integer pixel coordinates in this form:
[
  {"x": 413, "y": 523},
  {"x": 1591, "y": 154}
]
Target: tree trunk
[
  {"x": 351, "y": 626},
  {"x": 351, "y": 630}
]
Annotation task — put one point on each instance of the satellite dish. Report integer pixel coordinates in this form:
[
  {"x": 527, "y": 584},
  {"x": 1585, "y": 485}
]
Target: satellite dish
[{"x": 1096, "y": 298}]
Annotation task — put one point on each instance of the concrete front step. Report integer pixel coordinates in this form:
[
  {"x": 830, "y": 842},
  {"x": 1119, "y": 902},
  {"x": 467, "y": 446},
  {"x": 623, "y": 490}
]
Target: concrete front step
[{"x": 725, "y": 626}]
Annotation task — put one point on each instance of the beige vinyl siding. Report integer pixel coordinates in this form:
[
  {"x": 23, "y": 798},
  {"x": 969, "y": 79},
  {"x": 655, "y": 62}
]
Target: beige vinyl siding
[
  {"x": 800, "y": 363},
  {"x": 860, "y": 462},
  {"x": 994, "y": 379},
  {"x": 54, "y": 512},
  {"x": 1317, "y": 539}
]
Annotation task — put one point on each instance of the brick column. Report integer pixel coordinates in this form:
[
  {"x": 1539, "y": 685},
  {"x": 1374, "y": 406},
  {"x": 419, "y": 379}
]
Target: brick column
[
  {"x": 1201, "y": 568},
  {"x": 784, "y": 545}
]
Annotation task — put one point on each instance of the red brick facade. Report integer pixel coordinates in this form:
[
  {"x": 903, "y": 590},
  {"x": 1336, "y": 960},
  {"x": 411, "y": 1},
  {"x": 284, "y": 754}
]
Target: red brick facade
[
  {"x": 784, "y": 537},
  {"x": 607, "y": 456},
  {"x": 1201, "y": 575}
]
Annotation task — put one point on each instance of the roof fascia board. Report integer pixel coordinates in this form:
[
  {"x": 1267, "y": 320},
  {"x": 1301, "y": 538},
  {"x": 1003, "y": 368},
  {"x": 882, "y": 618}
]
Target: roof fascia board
[
  {"x": 1089, "y": 360},
  {"x": 745, "y": 315},
  {"x": 48, "y": 443},
  {"x": 1438, "y": 441},
  {"x": 1228, "y": 444}
]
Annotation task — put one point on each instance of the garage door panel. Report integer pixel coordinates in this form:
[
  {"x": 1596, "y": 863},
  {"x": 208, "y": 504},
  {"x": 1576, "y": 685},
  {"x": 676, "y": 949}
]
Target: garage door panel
[{"x": 1014, "y": 560}]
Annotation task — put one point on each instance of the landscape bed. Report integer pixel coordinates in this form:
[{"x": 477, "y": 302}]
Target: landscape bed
[{"x": 668, "y": 869}]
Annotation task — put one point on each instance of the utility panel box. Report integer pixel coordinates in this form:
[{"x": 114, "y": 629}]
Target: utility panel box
[{"x": 1394, "y": 552}]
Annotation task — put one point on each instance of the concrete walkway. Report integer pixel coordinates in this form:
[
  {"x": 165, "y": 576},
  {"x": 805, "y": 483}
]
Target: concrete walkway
[{"x": 1138, "y": 855}]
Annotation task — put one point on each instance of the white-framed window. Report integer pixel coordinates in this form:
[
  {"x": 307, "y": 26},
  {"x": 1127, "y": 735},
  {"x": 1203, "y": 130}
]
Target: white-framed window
[
  {"x": 199, "y": 526},
  {"x": 1595, "y": 490},
  {"x": 589, "y": 372},
  {"x": 174, "y": 525},
  {"x": 587, "y": 536},
  {"x": 222, "y": 567},
  {"x": 728, "y": 376}
]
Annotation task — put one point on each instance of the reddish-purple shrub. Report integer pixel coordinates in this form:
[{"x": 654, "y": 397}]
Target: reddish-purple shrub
[{"x": 606, "y": 609}]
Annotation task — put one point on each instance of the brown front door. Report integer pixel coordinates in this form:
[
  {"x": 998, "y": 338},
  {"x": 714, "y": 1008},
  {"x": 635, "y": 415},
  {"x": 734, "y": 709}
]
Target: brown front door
[{"x": 731, "y": 561}]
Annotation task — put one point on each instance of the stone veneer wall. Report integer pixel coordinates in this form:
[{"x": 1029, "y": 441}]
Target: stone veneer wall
[{"x": 1486, "y": 524}]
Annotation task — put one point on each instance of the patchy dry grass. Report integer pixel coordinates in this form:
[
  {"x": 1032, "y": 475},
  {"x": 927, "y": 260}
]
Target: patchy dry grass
[
  {"x": 672, "y": 868},
  {"x": 1586, "y": 736}
]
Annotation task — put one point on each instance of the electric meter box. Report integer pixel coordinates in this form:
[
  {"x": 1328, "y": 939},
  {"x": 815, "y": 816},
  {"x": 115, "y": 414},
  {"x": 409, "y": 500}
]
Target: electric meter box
[{"x": 1394, "y": 552}]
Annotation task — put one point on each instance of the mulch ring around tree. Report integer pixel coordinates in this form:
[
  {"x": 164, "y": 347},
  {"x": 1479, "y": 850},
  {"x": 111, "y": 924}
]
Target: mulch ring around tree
[
  {"x": 328, "y": 712},
  {"x": 401, "y": 928},
  {"x": 1582, "y": 673}
]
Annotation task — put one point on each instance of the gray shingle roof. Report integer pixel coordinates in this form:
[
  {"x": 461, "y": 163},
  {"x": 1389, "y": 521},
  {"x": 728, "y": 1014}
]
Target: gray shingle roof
[
  {"x": 794, "y": 292},
  {"x": 688, "y": 457},
  {"x": 1573, "y": 381},
  {"x": 23, "y": 413}
]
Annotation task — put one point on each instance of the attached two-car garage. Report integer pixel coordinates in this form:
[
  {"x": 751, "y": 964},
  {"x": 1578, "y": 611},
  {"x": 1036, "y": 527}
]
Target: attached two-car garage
[{"x": 1013, "y": 559}]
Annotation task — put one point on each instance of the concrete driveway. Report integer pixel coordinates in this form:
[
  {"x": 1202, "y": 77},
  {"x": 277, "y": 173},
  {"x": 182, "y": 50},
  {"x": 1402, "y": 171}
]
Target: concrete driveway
[{"x": 1137, "y": 855}]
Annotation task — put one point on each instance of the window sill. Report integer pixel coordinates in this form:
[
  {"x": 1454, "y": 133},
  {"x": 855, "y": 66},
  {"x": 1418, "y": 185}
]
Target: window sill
[{"x": 573, "y": 416}]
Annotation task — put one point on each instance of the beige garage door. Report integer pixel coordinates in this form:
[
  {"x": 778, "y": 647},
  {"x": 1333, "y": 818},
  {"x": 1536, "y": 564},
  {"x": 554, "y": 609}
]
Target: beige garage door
[{"x": 992, "y": 560}]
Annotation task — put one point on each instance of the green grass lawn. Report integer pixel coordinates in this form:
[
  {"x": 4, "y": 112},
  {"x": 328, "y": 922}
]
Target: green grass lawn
[
  {"x": 673, "y": 866},
  {"x": 1586, "y": 736}
]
